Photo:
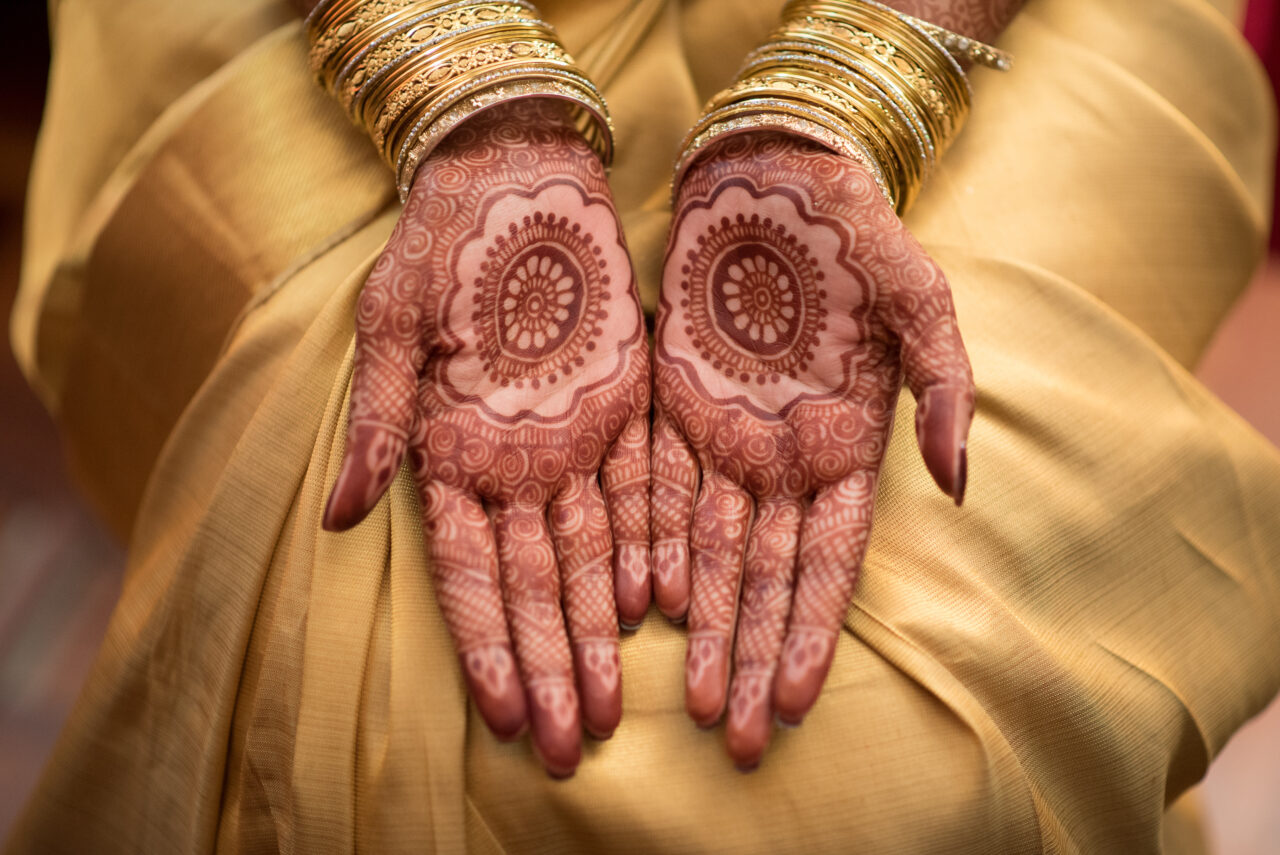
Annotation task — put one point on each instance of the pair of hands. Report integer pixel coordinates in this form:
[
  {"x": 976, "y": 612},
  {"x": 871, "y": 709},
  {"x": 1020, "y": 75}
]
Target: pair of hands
[{"x": 501, "y": 345}]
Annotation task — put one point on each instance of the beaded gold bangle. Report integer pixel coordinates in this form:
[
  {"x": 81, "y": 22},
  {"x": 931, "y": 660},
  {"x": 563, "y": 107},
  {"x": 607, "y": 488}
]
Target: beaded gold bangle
[
  {"x": 859, "y": 78},
  {"x": 409, "y": 71}
]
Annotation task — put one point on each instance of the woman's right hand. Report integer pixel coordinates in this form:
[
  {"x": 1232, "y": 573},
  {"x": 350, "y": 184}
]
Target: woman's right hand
[
  {"x": 499, "y": 342},
  {"x": 794, "y": 303}
]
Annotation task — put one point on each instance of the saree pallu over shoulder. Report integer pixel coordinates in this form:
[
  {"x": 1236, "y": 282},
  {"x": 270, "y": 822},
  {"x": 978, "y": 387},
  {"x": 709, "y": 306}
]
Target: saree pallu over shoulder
[{"x": 1044, "y": 670}]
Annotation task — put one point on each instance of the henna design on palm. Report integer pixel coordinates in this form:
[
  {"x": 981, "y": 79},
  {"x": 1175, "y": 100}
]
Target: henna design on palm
[
  {"x": 794, "y": 305},
  {"x": 499, "y": 343}
]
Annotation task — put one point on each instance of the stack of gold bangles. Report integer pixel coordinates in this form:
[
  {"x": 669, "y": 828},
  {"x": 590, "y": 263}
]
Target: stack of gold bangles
[
  {"x": 863, "y": 80},
  {"x": 409, "y": 71}
]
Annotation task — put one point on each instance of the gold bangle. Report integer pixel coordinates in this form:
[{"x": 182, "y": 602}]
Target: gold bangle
[
  {"x": 909, "y": 140},
  {"x": 346, "y": 19},
  {"x": 773, "y": 114},
  {"x": 942, "y": 110},
  {"x": 858, "y": 78},
  {"x": 435, "y": 63},
  {"x": 892, "y": 39},
  {"x": 482, "y": 58},
  {"x": 958, "y": 45},
  {"x": 409, "y": 71},
  {"x": 844, "y": 116},
  {"x": 420, "y": 33},
  {"x": 843, "y": 64},
  {"x": 411, "y": 123},
  {"x": 590, "y": 117},
  {"x": 429, "y": 69}
]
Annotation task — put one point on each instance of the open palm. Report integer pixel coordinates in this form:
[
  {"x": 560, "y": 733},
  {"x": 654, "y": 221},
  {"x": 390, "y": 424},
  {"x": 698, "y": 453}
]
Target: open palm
[
  {"x": 500, "y": 343},
  {"x": 794, "y": 302}
]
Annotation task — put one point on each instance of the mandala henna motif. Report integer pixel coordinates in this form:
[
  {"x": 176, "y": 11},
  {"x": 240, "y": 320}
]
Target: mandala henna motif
[
  {"x": 794, "y": 305},
  {"x": 541, "y": 300},
  {"x": 754, "y": 299},
  {"x": 500, "y": 344}
]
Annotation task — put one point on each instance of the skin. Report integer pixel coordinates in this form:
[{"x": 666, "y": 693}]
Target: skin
[
  {"x": 772, "y": 416},
  {"x": 760, "y": 495},
  {"x": 794, "y": 305},
  {"x": 500, "y": 347},
  {"x": 983, "y": 20}
]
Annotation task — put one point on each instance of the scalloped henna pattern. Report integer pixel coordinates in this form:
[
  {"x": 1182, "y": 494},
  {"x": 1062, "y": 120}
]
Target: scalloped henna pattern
[
  {"x": 500, "y": 343},
  {"x": 794, "y": 305}
]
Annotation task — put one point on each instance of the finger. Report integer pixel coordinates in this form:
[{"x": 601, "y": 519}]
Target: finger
[
  {"x": 923, "y": 316},
  {"x": 833, "y": 539},
  {"x": 766, "y": 600},
  {"x": 464, "y": 564},
  {"x": 720, "y": 522},
  {"x": 625, "y": 474},
  {"x": 531, "y": 590},
  {"x": 584, "y": 547},
  {"x": 673, "y": 483},
  {"x": 383, "y": 387}
]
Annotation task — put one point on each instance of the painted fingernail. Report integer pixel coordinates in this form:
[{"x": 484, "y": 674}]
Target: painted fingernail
[{"x": 962, "y": 474}]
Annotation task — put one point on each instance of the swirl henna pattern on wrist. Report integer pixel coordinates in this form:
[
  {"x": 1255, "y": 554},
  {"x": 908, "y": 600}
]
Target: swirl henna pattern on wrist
[
  {"x": 794, "y": 303},
  {"x": 979, "y": 19},
  {"x": 500, "y": 342}
]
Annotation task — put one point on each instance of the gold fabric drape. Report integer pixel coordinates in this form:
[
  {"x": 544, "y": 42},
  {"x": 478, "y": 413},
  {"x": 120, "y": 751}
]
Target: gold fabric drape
[{"x": 1046, "y": 669}]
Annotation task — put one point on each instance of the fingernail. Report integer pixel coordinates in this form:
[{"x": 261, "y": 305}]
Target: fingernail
[
  {"x": 632, "y": 587},
  {"x": 962, "y": 473},
  {"x": 803, "y": 666},
  {"x": 706, "y": 680},
  {"x": 490, "y": 673},
  {"x": 750, "y": 718},
  {"x": 556, "y": 724},
  {"x": 599, "y": 672}
]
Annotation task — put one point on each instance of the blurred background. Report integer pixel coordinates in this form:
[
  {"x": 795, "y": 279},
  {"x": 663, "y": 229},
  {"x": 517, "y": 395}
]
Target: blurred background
[{"x": 60, "y": 570}]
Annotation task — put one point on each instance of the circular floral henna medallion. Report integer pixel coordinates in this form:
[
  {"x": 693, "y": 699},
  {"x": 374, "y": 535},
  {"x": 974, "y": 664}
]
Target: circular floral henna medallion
[
  {"x": 540, "y": 301},
  {"x": 753, "y": 299},
  {"x": 756, "y": 300}
]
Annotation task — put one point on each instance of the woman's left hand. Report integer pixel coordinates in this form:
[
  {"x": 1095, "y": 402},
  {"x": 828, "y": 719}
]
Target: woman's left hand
[{"x": 794, "y": 303}]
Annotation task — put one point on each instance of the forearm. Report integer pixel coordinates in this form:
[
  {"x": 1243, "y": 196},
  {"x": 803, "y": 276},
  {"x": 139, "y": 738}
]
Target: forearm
[
  {"x": 980, "y": 19},
  {"x": 304, "y": 7}
]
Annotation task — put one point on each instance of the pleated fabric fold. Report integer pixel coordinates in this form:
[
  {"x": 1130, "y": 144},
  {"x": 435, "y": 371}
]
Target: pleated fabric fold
[{"x": 1046, "y": 669}]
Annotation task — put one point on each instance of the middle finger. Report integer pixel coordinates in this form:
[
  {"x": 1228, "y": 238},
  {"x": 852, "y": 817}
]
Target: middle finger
[{"x": 531, "y": 591}]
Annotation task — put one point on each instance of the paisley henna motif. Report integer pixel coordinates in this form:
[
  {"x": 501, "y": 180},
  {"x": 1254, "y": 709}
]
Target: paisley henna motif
[
  {"x": 499, "y": 342},
  {"x": 794, "y": 305}
]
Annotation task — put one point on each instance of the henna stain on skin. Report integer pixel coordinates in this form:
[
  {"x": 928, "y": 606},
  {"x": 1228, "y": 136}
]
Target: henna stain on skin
[
  {"x": 979, "y": 19},
  {"x": 794, "y": 305},
  {"x": 500, "y": 345}
]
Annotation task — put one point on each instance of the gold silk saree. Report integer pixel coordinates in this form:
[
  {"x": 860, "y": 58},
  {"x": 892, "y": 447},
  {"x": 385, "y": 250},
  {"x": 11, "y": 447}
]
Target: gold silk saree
[{"x": 1046, "y": 669}]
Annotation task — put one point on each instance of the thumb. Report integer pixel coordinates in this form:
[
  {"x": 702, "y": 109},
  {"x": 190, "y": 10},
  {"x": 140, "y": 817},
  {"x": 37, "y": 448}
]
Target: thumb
[
  {"x": 383, "y": 404},
  {"x": 938, "y": 372}
]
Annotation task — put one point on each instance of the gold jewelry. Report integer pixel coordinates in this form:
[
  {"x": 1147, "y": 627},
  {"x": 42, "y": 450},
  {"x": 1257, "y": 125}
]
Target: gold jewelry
[
  {"x": 409, "y": 71},
  {"x": 859, "y": 78}
]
